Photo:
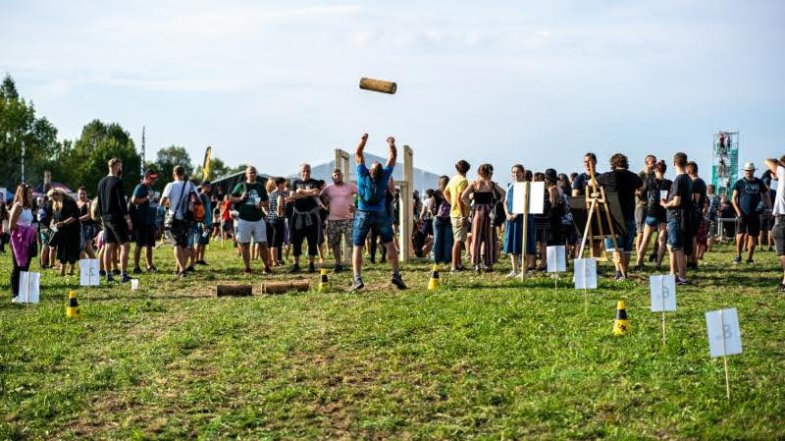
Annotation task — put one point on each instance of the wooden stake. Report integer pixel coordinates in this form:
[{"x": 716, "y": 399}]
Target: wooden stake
[
  {"x": 378, "y": 85},
  {"x": 725, "y": 357}
]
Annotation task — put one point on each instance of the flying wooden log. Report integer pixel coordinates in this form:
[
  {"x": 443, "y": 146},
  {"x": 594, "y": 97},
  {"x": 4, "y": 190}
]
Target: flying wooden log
[{"x": 378, "y": 85}]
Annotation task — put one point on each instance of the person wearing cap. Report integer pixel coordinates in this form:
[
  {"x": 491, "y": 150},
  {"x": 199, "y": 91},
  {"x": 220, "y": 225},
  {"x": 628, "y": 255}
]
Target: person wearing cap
[
  {"x": 202, "y": 229},
  {"x": 117, "y": 220},
  {"x": 777, "y": 168},
  {"x": 747, "y": 195},
  {"x": 143, "y": 209},
  {"x": 624, "y": 183}
]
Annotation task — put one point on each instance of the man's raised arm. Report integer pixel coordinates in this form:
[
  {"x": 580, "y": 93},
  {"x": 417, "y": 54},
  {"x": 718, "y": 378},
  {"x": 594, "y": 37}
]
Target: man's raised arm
[
  {"x": 359, "y": 158},
  {"x": 393, "y": 155}
]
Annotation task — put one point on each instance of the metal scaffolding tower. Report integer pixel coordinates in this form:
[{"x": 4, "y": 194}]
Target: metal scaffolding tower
[{"x": 725, "y": 162}]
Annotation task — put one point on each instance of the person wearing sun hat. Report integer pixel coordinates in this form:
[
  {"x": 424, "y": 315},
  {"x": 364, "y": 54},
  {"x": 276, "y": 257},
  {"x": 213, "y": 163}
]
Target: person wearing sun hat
[{"x": 747, "y": 195}]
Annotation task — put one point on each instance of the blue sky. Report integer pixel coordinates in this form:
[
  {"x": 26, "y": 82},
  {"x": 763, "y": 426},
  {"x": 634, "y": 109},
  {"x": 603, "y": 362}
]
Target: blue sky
[{"x": 275, "y": 83}]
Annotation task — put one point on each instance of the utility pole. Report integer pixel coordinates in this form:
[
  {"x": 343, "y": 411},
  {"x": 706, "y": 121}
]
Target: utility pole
[{"x": 143, "y": 159}]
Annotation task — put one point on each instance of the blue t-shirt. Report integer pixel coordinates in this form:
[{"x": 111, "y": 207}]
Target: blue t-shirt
[
  {"x": 372, "y": 194},
  {"x": 750, "y": 194}
]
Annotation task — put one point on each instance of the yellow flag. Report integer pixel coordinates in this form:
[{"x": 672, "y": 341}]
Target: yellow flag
[{"x": 206, "y": 166}]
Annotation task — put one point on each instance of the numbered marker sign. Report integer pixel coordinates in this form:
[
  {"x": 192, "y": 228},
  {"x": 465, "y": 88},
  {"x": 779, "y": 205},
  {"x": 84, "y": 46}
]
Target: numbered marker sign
[
  {"x": 534, "y": 192},
  {"x": 88, "y": 272},
  {"x": 585, "y": 274},
  {"x": 29, "y": 287},
  {"x": 557, "y": 262},
  {"x": 724, "y": 332},
  {"x": 663, "y": 292}
]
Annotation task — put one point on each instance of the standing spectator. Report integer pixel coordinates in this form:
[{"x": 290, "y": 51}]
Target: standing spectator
[
  {"x": 625, "y": 183},
  {"x": 459, "y": 212},
  {"x": 678, "y": 205},
  {"x": 4, "y": 226},
  {"x": 778, "y": 211},
  {"x": 177, "y": 196},
  {"x": 276, "y": 221},
  {"x": 144, "y": 208},
  {"x": 23, "y": 240},
  {"x": 88, "y": 224},
  {"x": 656, "y": 217},
  {"x": 372, "y": 187},
  {"x": 339, "y": 196},
  {"x": 583, "y": 180},
  {"x": 641, "y": 199},
  {"x": 747, "y": 194},
  {"x": 442, "y": 227},
  {"x": 205, "y": 227},
  {"x": 513, "y": 231},
  {"x": 250, "y": 198},
  {"x": 65, "y": 218},
  {"x": 700, "y": 225},
  {"x": 117, "y": 221},
  {"x": 227, "y": 225},
  {"x": 485, "y": 193},
  {"x": 305, "y": 223},
  {"x": 43, "y": 218}
]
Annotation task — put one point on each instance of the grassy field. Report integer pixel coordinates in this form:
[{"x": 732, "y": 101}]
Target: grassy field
[{"x": 483, "y": 358}]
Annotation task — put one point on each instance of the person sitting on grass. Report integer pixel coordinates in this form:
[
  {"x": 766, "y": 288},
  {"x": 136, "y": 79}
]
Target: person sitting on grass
[{"x": 371, "y": 214}]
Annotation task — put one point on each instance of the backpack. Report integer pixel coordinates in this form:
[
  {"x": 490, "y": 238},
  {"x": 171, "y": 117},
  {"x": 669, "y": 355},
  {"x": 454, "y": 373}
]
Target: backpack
[{"x": 198, "y": 212}]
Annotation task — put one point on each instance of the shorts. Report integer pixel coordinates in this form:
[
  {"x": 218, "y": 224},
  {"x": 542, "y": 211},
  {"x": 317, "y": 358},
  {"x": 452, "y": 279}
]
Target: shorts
[
  {"x": 460, "y": 228},
  {"x": 180, "y": 232},
  {"x": 712, "y": 232},
  {"x": 247, "y": 230},
  {"x": 44, "y": 235},
  {"x": 366, "y": 221},
  {"x": 766, "y": 222},
  {"x": 116, "y": 232},
  {"x": 624, "y": 241},
  {"x": 640, "y": 219},
  {"x": 542, "y": 234},
  {"x": 652, "y": 222},
  {"x": 338, "y": 229},
  {"x": 227, "y": 226},
  {"x": 144, "y": 235},
  {"x": 200, "y": 235},
  {"x": 778, "y": 231},
  {"x": 748, "y": 224},
  {"x": 676, "y": 235}
]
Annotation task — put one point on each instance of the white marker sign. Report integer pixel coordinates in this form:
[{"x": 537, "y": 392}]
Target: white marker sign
[
  {"x": 663, "y": 292},
  {"x": 724, "y": 332},
  {"x": 535, "y": 194},
  {"x": 29, "y": 288},
  {"x": 89, "y": 272},
  {"x": 556, "y": 257},
  {"x": 585, "y": 273}
]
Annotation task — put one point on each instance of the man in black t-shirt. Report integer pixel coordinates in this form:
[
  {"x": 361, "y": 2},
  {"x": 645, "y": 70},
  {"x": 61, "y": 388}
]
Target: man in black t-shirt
[
  {"x": 581, "y": 181},
  {"x": 747, "y": 195},
  {"x": 117, "y": 221},
  {"x": 678, "y": 207},
  {"x": 305, "y": 223},
  {"x": 624, "y": 183},
  {"x": 699, "y": 224}
]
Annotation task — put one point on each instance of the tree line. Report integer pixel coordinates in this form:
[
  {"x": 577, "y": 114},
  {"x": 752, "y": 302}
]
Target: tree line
[{"x": 82, "y": 161}]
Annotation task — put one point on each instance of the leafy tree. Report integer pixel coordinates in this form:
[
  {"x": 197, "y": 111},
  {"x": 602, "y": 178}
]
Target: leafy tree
[
  {"x": 167, "y": 159},
  {"x": 20, "y": 128}
]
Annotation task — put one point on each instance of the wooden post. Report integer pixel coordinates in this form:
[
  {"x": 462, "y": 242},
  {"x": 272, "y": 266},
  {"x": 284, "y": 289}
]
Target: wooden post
[
  {"x": 285, "y": 286},
  {"x": 406, "y": 215},
  {"x": 342, "y": 163},
  {"x": 234, "y": 290}
]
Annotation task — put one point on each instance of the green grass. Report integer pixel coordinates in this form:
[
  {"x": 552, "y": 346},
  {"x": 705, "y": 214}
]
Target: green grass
[{"x": 483, "y": 358}]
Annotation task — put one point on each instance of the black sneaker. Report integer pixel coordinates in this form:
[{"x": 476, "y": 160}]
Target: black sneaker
[
  {"x": 202, "y": 263},
  {"x": 190, "y": 269},
  {"x": 295, "y": 269},
  {"x": 100, "y": 273},
  {"x": 358, "y": 285},
  {"x": 109, "y": 278},
  {"x": 398, "y": 281},
  {"x": 181, "y": 274},
  {"x": 311, "y": 268},
  {"x": 750, "y": 262},
  {"x": 781, "y": 288},
  {"x": 116, "y": 272},
  {"x": 125, "y": 278},
  {"x": 137, "y": 270},
  {"x": 152, "y": 269}
]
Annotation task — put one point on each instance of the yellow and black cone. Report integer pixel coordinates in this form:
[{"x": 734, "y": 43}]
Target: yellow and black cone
[
  {"x": 621, "y": 325},
  {"x": 72, "y": 310},
  {"x": 434, "y": 282},
  {"x": 324, "y": 282}
]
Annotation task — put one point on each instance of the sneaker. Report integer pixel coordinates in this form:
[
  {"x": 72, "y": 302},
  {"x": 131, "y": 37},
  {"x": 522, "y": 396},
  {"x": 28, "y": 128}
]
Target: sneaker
[
  {"x": 750, "y": 262},
  {"x": 137, "y": 270},
  {"x": 619, "y": 277},
  {"x": 737, "y": 260},
  {"x": 311, "y": 268},
  {"x": 638, "y": 267},
  {"x": 116, "y": 272},
  {"x": 398, "y": 281},
  {"x": 458, "y": 269},
  {"x": 181, "y": 274},
  {"x": 152, "y": 269},
  {"x": 248, "y": 272},
  {"x": 358, "y": 285},
  {"x": 202, "y": 263},
  {"x": 511, "y": 274},
  {"x": 295, "y": 269},
  {"x": 781, "y": 288},
  {"x": 109, "y": 278},
  {"x": 339, "y": 268},
  {"x": 682, "y": 281},
  {"x": 267, "y": 271},
  {"x": 652, "y": 258},
  {"x": 100, "y": 273},
  {"x": 190, "y": 269}
]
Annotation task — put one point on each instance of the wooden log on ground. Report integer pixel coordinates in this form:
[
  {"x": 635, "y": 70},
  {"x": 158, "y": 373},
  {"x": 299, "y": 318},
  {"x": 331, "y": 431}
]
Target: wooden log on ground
[
  {"x": 378, "y": 85},
  {"x": 285, "y": 286},
  {"x": 234, "y": 290}
]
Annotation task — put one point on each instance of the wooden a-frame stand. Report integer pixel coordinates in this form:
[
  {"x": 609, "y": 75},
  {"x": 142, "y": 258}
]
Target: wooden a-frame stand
[{"x": 595, "y": 203}]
